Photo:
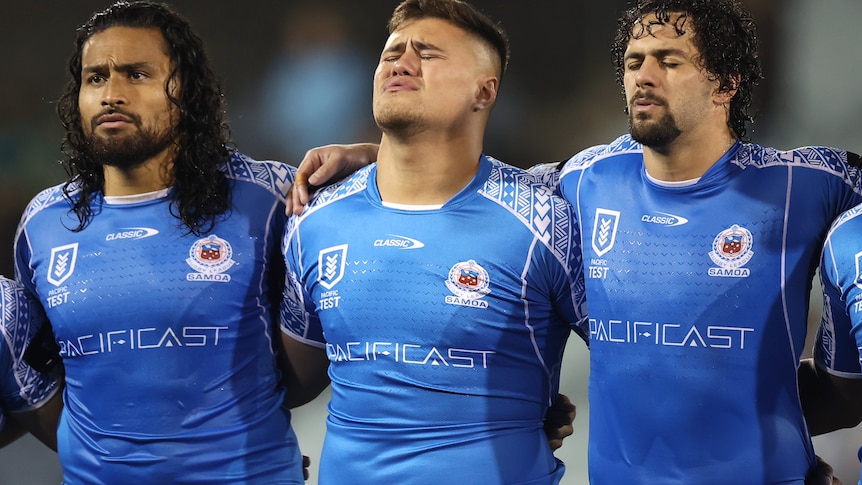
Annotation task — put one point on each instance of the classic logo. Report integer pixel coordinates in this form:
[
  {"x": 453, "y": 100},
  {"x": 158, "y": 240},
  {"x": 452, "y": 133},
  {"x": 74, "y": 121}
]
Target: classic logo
[
  {"x": 731, "y": 249},
  {"x": 400, "y": 242},
  {"x": 605, "y": 230},
  {"x": 469, "y": 282},
  {"x": 664, "y": 219},
  {"x": 62, "y": 263},
  {"x": 210, "y": 257},
  {"x": 330, "y": 265},
  {"x": 132, "y": 233}
]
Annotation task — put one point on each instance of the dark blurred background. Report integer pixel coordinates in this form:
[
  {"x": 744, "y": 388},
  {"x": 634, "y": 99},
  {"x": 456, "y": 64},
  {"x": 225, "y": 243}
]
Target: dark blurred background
[{"x": 298, "y": 74}]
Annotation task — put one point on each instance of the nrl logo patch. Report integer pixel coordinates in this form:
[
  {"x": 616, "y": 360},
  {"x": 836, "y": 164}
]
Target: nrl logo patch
[
  {"x": 858, "y": 280},
  {"x": 330, "y": 265},
  {"x": 62, "y": 263},
  {"x": 605, "y": 230}
]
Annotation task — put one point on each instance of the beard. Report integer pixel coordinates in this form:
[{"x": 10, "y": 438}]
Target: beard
[
  {"x": 652, "y": 133},
  {"x": 131, "y": 150},
  {"x": 655, "y": 134},
  {"x": 397, "y": 123}
]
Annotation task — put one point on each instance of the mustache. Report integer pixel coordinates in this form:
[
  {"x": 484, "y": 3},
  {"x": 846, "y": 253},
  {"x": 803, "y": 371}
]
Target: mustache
[
  {"x": 642, "y": 96},
  {"x": 114, "y": 111}
]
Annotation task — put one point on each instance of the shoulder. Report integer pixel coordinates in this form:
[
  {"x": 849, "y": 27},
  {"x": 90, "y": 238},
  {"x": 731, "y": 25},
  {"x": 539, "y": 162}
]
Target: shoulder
[
  {"x": 847, "y": 225},
  {"x": 355, "y": 183},
  {"x": 621, "y": 146},
  {"x": 818, "y": 157},
  {"x": 273, "y": 176},
  {"x": 327, "y": 196},
  {"x": 50, "y": 197},
  {"x": 528, "y": 196}
]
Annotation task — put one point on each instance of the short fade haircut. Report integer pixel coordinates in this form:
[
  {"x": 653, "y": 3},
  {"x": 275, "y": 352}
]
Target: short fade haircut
[
  {"x": 724, "y": 36},
  {"x": 460, "y": 14}
]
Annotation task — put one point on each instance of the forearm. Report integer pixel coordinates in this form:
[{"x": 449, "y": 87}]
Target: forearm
[
  {"x": 304, "y": 372},
  {"x": 828, "y": 402}
]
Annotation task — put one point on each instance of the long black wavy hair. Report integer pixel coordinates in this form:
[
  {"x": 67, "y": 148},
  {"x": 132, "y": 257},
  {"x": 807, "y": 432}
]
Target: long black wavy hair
[
  {"x": 201, "y": 190},
  {"x": 725, "y": 38}
]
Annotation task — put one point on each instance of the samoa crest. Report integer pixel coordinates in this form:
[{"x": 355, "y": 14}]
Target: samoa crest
[
  {"x": 62, "y": 263},
  {"x": 210, "y": 257},
  {"x": 732, "y": 247},
  {"x": 468, "y": 281}
]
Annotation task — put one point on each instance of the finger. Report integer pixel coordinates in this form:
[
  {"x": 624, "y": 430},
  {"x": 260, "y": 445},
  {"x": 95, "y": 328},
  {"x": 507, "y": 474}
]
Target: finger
[
  {"x": 301, "y": 198},
  {"x": 298, "y": 191},
  {"x": 300, "y": 179},
  {"x": 288, "y": 202},
  {"x": 306, "y": 462}
]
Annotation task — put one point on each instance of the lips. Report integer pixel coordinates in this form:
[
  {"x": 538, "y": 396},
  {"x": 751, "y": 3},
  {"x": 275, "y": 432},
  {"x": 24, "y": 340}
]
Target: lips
[
  {"x": 645, "y": 101},
  {"x": 399, "y": 84},
  {"x": 113, "y": 118}
]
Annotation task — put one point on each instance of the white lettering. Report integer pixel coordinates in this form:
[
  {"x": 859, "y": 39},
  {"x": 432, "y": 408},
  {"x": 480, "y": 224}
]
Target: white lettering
[
  {"x": 668, "y": 334},
  {"x": 408, "y": 354},
  {"x": 140, "y": 339}
]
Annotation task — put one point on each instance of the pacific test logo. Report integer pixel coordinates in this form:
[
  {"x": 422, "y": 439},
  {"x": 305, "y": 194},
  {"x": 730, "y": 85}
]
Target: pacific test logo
[
  {"x": 62, "y": 263},
  {"x": 330, "y": 265},
  {"x": 605, "y": 230}
]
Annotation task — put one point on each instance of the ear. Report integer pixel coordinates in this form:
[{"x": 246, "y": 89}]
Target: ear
[
  {"x": 725, "y": 95},
  {"x": 486, "y": 94}
]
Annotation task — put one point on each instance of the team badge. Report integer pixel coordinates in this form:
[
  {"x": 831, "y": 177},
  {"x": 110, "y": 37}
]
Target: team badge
[
  {"x": 605, "y": 230},
  {"x": 210, "y": 257},
  {"x": 62, "y": 263},
  {"x": 330, "y": 265},
  {"x": 469, "y": 282},
  {"x": 731, "y": 250},
  {"x": 858, "y": 280}
]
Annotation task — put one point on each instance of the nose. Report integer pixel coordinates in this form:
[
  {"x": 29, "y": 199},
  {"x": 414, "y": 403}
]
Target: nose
[
  {"x": 407, "y": 64},
  {"x": 646, "y": 74},
  {"x": 113, "y": 93}
]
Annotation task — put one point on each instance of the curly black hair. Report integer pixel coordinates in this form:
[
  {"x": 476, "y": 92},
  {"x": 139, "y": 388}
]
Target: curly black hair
[
  {"x": 204, "y": 142},
  {"x": 725, "y": 38}
]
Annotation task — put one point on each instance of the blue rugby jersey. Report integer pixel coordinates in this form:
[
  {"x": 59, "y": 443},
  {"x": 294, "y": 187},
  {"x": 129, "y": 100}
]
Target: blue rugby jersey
[
  {"x": 444, "y": 328},
  {"x": 839, "y": 337},
  {"x": 166, "y": 336},
  {"x": 22, "y": 388},
  {"x": 698, "y": 300}
]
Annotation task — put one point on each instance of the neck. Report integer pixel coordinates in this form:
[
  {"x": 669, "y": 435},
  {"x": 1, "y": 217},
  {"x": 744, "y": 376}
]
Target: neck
[
  {"x": 426, "y": 170},
  {"x": 152, "y": 175},
  {"x": 689, "y": 156}
]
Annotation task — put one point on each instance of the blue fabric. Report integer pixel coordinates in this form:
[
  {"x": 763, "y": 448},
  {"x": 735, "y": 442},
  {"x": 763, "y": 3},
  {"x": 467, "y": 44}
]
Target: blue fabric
[
  {"x": 444, "y": 328},
  {"x": 698, "y": 300},
  {"x": 166, "y": 336}
]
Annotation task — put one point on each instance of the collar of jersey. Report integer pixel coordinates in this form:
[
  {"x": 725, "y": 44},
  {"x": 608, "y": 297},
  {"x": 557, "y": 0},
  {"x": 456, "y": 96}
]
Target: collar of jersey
[{"x": 463, "y": 196}]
